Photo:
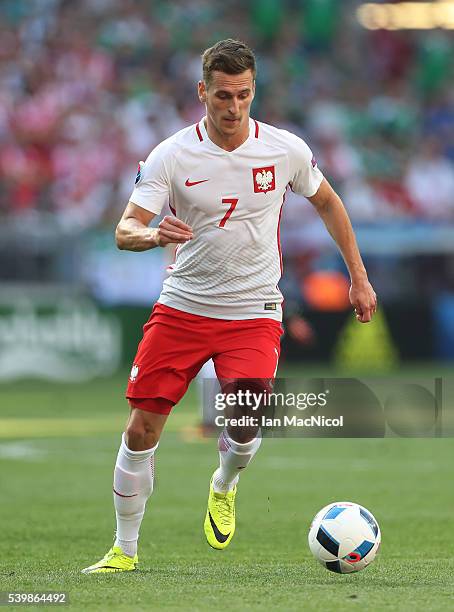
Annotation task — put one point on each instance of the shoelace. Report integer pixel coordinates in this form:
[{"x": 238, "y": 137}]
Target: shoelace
[
  {"x": 110, "y": 555},
  {"x": 225, "y": 509}
]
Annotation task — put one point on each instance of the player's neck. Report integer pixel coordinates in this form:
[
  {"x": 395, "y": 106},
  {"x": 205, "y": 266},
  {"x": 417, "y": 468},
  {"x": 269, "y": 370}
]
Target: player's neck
[{"x": 229, "y": 143}]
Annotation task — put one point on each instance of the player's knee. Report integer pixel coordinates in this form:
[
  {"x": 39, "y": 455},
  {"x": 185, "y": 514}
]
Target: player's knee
[
  {"x": 141, "y": 435},
  {"x": 135, "y": 437}
]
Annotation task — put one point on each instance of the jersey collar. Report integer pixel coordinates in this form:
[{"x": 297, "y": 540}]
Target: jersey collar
[{"x": 203, "y": 135}]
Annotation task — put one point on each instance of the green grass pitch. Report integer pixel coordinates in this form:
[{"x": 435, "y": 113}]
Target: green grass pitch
[{"x": 57, "y": 449}]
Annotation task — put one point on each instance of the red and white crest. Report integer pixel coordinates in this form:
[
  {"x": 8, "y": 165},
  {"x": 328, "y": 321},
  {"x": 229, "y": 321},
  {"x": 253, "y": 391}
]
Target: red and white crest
[
  {"x": 134, "y": 373},
  {"x": 264, "y": 179}
]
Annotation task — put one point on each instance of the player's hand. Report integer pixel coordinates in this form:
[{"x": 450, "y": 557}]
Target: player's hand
[
  {"x": 364, "y": 299},
  {"x": 171, "y": 230}
]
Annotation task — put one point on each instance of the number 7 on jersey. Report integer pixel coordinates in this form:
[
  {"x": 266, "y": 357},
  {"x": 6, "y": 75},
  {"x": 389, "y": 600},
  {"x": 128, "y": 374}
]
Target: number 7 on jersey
[{"x": 233, "y": 202}]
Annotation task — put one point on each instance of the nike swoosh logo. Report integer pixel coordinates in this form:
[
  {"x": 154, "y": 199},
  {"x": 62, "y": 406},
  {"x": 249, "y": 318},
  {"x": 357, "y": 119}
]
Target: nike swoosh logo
[
  {"x": 120, "y": 495},
  {"x": 192, "y": 183},
  {"x": 220, "y": 537}
]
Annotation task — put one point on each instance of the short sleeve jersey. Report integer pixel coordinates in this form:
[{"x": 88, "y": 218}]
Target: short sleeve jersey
[{"x": 233, "y": 202}]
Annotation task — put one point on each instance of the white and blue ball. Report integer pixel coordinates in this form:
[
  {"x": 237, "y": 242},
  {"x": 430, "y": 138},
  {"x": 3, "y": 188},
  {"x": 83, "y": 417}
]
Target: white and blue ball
[{"x": 344, "y": 537}]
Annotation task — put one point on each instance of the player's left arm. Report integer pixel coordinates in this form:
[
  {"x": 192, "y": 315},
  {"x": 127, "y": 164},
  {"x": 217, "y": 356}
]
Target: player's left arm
[{"x": 332, "y": 211}]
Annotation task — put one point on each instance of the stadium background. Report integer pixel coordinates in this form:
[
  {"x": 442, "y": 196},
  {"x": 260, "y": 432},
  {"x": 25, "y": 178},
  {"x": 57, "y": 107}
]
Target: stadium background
[{"x": 88, "y": 88}]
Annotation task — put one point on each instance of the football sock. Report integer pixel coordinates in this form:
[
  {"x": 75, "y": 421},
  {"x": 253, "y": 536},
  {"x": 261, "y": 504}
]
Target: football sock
[
  {"x": 133, "y": 485},
  {"x": 233, "y": 457}
]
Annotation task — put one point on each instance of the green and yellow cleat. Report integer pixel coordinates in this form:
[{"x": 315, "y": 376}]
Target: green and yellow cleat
[
  {"x": 114, "y": 561},
  {"x": 220, "y": 518}
]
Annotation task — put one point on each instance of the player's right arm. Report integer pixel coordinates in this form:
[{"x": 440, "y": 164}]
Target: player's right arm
[
  {"x": 151, "y": 192},
  {"x": 133, "y": 233}
]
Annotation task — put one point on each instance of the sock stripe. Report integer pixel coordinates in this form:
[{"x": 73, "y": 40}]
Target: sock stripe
[{"x": 121, "y": 495}]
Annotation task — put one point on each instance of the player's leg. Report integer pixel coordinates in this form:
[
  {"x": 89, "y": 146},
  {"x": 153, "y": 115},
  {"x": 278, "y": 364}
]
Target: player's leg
[
  {"x": 207, "y": 389},
  {"x": 250, "y": 357},
  {"x": 133, "y": 482},
  {"x": 250, "y": 352},
  {"x": 134, "y": 470},
  {"x": 169, "y": 356},
  {"x": 146, "y": 422}
]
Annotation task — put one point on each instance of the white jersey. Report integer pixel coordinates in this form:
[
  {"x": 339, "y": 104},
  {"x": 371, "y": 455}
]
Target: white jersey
[{"x": 233, "y": 202}]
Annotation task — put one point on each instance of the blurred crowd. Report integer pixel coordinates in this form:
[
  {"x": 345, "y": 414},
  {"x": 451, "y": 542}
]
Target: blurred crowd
[{"x": 89, "y": 87}]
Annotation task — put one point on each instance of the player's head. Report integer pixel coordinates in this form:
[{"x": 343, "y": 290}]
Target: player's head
[{"x": 228, "y": 85}]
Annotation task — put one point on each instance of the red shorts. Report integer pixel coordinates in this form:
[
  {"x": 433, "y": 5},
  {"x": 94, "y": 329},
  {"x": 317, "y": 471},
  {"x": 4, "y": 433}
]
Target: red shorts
[{"x": 176, "y": 344}]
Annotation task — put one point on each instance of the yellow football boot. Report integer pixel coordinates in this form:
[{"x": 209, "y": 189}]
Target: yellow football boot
[
  {"x": 220, "y": 518},
  {"x": 114, "y": 561}
]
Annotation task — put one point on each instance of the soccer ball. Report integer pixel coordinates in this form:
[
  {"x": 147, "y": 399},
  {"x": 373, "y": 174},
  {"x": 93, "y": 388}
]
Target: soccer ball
[{"x": 344, "y": 537}]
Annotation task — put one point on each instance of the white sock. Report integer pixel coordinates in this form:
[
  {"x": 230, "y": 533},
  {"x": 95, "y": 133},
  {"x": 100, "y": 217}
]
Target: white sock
[
  {"x": 233, "y": 457},
  {"x": 133, "y": 485}
]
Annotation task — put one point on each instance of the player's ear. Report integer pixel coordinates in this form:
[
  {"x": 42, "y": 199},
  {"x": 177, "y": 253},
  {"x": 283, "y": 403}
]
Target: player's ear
[{"x": 202, "y": 91}]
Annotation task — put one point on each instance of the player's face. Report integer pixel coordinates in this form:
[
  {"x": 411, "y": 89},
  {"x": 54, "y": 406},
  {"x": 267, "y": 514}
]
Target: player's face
[{"x": 228, "y": 100}]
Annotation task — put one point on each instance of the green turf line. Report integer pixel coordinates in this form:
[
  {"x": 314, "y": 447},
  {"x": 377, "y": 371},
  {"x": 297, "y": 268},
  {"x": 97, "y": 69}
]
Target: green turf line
[{"x": 50, "y": 427}]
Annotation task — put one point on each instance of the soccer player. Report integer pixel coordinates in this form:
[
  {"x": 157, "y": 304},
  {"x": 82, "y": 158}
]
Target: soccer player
[{"x": 225, "y": 179}]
